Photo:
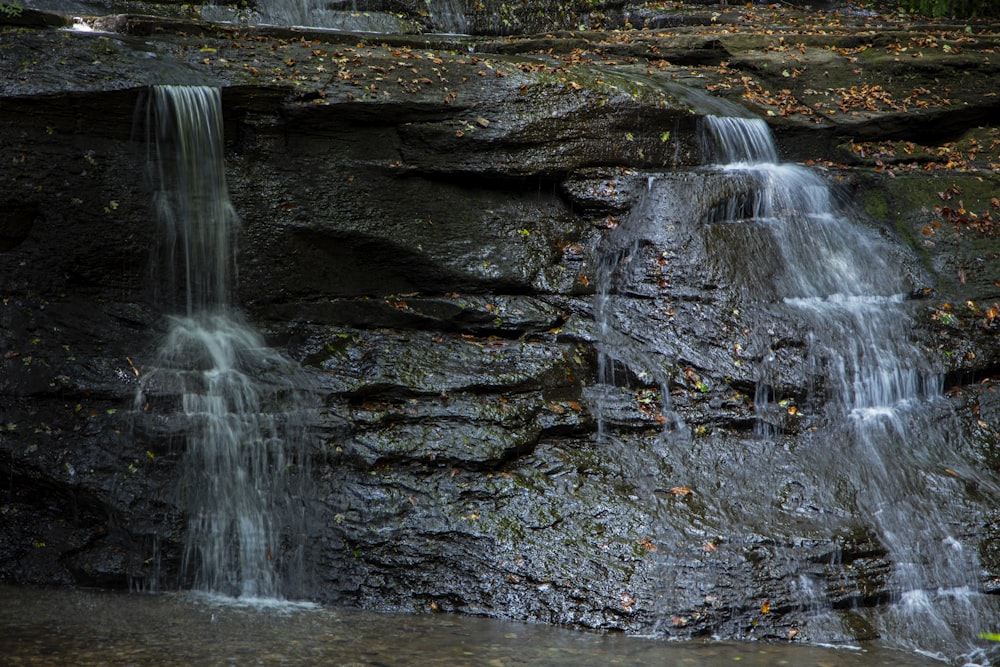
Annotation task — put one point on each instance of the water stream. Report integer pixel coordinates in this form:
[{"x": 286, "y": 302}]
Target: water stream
[
  {"x": 881, "y": 454},
  {"x": 884, "y": 450},
  {"x": 237, "y": 408},
  {"x": 887, "y": 441},
  {"x": 444, "y": 16}
]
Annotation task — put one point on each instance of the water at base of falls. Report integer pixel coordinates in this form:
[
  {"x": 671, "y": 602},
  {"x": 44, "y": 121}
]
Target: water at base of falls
[
  {"x": 237, "y": 407},
  {"x": 87, "y": 628}
]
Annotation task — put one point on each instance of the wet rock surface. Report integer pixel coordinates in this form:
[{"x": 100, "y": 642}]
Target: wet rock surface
[{"x": 425, "y": 221}]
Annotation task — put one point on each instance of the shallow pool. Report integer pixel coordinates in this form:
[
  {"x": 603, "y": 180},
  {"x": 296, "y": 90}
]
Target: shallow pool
[{"x": 84, "y": 627}]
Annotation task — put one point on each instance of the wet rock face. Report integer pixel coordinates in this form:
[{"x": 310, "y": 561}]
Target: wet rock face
[
  {"x": 454, "y": 443},
  {"x": 425, "y": 231}
]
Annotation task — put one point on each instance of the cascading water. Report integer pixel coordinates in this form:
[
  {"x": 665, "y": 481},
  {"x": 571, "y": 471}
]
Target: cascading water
[
  {"x": 856, "y": 452},
  {"x": 217, "y": 388},
  {"x": 191, "y": 199},
  {"x": 619, "y": 355},
  {"x": 886, "y": 444},
  {"x": 446, "y": 16},
  {"x": 449, "y": 16},
  {"x": 328, "y": 15}
]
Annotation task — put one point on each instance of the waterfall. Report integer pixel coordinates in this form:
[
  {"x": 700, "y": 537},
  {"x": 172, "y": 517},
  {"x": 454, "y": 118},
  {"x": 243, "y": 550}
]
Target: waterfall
[
  {"x": 887, "y": 441},
  {"x": 445, "y": 16},
  {"x": 448, "y": 16},
  {"x": 626, "y": 367},
  {"x": 191, "y": 201},
  {"x": 234, "y": 404}
]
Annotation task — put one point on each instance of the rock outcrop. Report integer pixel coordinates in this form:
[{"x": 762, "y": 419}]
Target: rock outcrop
[{"x": 424, "y": 221}]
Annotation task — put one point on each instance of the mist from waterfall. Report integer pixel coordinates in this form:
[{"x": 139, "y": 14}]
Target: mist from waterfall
[{"x": 238, "y": 408}]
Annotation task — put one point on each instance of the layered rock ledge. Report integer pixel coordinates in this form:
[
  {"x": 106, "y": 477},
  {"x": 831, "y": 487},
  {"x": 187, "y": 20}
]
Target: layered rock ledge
[{"x": 424, "y": 218}]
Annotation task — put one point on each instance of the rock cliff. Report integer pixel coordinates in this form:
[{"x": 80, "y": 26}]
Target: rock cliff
[{"x": 424, "y": 223}]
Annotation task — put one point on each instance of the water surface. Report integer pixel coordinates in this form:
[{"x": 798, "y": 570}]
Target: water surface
[{"x": 84, "y": 627}]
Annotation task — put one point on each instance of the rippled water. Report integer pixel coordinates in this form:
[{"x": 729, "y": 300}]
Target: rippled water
[{"x": 81, "y": 627}]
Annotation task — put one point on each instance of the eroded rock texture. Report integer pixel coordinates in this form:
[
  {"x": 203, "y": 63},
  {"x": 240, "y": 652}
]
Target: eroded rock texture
[{"x": 426, "y": 224}]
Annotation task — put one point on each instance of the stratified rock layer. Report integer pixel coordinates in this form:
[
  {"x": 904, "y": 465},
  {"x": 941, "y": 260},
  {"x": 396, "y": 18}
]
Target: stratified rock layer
[{"x": 424, "y": 220}]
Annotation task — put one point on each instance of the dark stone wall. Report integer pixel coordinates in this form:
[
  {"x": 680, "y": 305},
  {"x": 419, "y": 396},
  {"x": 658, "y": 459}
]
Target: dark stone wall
[{"x": 431, "y": 260}]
